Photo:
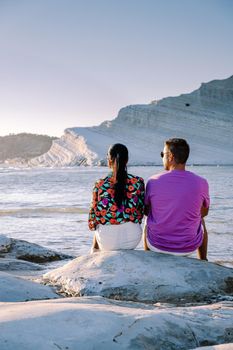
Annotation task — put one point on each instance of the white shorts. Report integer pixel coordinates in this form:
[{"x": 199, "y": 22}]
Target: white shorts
[
  {"x": 116, "y": 237},
  {"x": 153, "y": 249}
]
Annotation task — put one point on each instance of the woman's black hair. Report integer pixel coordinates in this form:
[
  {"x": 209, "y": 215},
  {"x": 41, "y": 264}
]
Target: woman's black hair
[{"x": 119, "y": 153}]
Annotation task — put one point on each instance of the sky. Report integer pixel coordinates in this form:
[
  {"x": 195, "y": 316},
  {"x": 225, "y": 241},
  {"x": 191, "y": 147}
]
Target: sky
[{"x": 72, "y": 63}]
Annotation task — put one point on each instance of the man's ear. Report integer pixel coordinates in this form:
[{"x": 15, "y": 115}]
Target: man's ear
[{"x": 170, "y": 157}]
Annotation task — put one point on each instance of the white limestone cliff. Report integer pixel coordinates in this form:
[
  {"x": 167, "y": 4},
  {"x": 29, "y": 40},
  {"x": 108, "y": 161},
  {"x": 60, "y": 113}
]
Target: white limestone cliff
[{"x": 203, "y": 117}]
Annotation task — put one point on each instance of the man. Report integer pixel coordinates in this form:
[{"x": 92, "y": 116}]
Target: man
[{"x": 176, "y": 201}]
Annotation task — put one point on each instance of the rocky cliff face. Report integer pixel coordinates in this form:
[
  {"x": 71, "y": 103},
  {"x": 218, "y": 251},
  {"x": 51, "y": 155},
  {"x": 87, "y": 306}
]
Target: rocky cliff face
[
  {"x": 203, "y": 117},
  {"x": 70, "y": 150}
]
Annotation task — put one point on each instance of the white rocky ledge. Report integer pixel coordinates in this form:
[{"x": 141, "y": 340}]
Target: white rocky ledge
[{"x": 96, "y": 323}]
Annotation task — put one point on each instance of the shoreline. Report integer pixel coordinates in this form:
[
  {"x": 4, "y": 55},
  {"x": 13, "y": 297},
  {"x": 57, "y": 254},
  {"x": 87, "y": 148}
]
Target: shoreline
[{"x": 23, "y": 167}]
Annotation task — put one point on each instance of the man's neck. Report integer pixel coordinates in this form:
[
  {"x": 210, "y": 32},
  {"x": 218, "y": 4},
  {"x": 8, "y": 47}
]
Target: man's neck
[{"x": 177, "y": 167}]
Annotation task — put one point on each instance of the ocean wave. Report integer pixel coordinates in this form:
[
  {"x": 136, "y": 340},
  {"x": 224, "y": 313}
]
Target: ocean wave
[{"x": 43, "y": 210}]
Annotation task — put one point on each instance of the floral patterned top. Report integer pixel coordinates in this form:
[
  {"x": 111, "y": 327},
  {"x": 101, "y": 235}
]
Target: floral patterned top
[{"x": 104, "y": 210}]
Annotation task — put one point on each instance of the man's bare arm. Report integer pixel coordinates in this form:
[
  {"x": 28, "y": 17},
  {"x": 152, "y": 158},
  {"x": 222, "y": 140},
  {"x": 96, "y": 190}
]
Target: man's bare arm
[
  {"x": 147, "y": 210},
  {"x": 202, "y": 250}
]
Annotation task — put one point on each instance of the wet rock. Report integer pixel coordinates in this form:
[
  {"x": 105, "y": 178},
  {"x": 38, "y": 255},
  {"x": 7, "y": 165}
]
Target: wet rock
[
  {"x": 35, "y": 253},
  {"x": 23, "y": 250},
  {"x": 16, "y": 265},
  {"x": 5, "y": 243},
  {"x": 142, "y": 277}
]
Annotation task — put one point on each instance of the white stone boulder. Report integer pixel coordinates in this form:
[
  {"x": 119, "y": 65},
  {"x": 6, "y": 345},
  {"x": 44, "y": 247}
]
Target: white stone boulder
[
  {"x": 14, "y": 288},
  {"x": 142, "y": 276},
  {"x": 95, "y": 323}
]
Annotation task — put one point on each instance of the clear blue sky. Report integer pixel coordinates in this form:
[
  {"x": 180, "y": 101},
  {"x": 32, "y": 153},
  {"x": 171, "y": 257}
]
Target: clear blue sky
[{"x": 66, "y": 63}]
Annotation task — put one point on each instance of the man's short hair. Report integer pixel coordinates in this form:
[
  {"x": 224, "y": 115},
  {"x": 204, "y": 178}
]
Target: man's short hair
[{"x": 179, "y": 148}]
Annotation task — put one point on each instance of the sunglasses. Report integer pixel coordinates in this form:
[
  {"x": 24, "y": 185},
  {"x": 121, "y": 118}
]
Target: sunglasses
[{"x": 162, "y": 154}]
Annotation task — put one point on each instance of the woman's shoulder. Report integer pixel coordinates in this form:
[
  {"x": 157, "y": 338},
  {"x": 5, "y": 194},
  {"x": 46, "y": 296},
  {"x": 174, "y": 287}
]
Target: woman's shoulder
[
  {"x": 100, "y": 182},
  {"x": 134, "y": 178}
]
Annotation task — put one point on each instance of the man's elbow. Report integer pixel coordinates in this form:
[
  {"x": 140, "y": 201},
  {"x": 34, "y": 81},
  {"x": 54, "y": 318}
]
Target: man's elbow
[{"x": 204, "y": 211}]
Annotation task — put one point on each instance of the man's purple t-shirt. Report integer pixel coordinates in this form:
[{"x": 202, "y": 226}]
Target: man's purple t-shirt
[{"x": 175, "y": 199}]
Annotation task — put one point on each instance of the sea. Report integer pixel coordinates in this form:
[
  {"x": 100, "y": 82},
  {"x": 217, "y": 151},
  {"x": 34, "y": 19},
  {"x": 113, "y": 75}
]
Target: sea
[{"x": 49, "y": 206}]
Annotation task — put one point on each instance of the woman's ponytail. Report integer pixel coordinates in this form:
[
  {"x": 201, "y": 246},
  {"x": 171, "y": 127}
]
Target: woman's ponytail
[{"x": 119, "y": 155}]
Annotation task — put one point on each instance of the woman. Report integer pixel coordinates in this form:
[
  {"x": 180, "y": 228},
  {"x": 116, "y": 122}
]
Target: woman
[{"x": 118, "y": 205}]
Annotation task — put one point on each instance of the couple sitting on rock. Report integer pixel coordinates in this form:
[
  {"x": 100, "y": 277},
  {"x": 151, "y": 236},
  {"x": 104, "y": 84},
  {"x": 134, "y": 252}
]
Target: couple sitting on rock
[{"x": 174, "y": 202}]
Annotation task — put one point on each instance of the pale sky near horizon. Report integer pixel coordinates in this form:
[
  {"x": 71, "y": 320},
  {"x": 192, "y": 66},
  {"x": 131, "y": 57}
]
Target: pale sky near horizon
[{"x": 66, "y": 63}]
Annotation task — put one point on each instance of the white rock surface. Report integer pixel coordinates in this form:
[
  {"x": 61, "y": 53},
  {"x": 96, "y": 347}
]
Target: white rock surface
[
  {"x": 95, "y": 323},
  {"x": 5, "y": 243},
  {"x": 142, "y": 276},
  {"x": 204, "y": 117},
  {"x": 14, "y": 288}
]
